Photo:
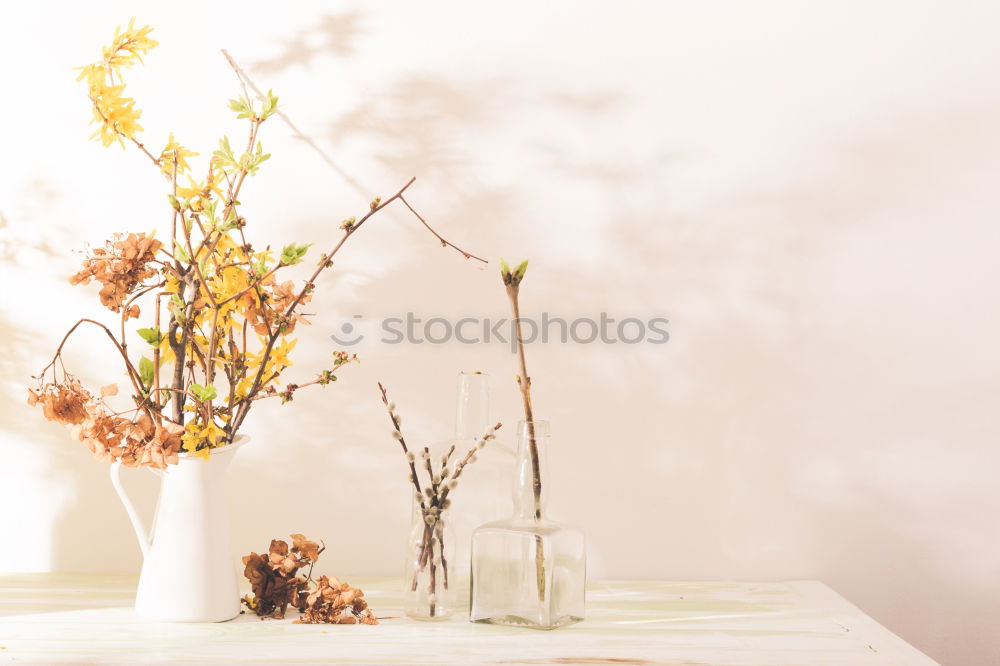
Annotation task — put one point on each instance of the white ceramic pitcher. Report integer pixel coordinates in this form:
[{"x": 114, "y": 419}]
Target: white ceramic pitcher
[{"x": 188, "y": 570}]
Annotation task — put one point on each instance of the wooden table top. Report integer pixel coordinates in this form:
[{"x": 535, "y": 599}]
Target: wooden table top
[{"x": 87, "y": 619}]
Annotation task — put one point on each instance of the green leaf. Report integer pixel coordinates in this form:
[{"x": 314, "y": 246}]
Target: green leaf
[
  {"x": 209, "y": 208},
  {"x": 521, "y": 270},
  {"x": 292, "y": 254},
  {"x": 151, "y": 335},
  {"x": 504, "y": 268},
  {"x": 146, "y": 372},
  {"x": 204, "y": 393},
  {"x": 242, "y": 107},
  {"x": 177, "y": 307},
  {"x": 271, "y": 105},
  {"x": 251, "y": 162},
  {"x": 260, "y": 156},
  {"x": 225, "y": 153},
  {"x": 180, "y": 253}
]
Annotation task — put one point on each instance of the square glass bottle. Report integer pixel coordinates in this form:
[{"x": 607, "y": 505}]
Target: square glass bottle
[{"x": 528, "y": 571}]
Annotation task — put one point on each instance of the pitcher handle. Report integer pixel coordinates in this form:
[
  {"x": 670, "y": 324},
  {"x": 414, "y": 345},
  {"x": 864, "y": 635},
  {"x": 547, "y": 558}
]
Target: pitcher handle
[{"x": 141, "y": 533}]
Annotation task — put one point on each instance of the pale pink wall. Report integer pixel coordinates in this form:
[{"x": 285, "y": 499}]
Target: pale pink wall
[{"x": 807, "y": 192}]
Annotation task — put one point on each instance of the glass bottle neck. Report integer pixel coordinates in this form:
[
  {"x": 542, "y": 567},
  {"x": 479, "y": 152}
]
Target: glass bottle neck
[
  {"x": 473, "y": 410},
  {"x": 530, "y": 487}
]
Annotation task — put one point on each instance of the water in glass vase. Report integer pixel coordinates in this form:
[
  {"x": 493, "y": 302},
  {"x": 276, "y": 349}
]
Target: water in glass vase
[
  {"x": 430, "y": 586},
  {"x": 528, "y": 571}
]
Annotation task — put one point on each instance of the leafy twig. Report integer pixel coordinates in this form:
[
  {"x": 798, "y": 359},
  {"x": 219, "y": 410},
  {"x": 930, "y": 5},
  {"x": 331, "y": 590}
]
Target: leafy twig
[{"x": 512, "y": 283}]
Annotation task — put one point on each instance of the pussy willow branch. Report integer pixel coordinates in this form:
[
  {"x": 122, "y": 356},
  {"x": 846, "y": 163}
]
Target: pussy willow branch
[
  {"x": 445, "y": 458},
  {"x": 436, "y": 499},
  {"x": 439, "y": 501},
  {"x": 425, "y": 504},
  {"x": 439, "y": 531},
  {"x": 468, "y": 459},
  {"x": 402, "y": 442}
]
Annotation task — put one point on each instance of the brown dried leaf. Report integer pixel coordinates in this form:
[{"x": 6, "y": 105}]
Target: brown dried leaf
[
  {"x": 276, "y": 586},
  {"x": 120, "y": 266},
  {"x": 333, "y": 602},
  {"x": 309, "y": 549},
  {"x": 273, "y": 580}
]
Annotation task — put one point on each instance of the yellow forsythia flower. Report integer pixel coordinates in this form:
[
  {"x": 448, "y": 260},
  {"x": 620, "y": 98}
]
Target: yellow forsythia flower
[
  {"x": 116, "y": 114},
  {"x": 192, "y": 437},
  {"x": 175, "y": 153},
  {"x": 212, "y": 433}
]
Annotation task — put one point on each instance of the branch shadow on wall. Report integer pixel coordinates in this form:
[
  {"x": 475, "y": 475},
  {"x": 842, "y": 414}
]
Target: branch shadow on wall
[
  {"x": 54, "y": 488},
  {"x": 430, "y": 126}
]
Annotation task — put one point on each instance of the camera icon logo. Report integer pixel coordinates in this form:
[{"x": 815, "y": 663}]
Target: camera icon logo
[{"x": 348, "y": 334}]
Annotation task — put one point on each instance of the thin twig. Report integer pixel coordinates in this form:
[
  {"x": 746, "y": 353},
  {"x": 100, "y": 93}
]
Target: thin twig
[
  {"x": 245, "y": 79},
  {"x": 444, "y": 243},
  {"x": 402, "y": 442},
  {"x": 133, "y": 374}
]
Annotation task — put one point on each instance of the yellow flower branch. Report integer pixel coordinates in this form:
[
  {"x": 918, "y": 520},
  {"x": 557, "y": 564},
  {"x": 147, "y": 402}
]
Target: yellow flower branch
[{"x": 215, "y": 288}]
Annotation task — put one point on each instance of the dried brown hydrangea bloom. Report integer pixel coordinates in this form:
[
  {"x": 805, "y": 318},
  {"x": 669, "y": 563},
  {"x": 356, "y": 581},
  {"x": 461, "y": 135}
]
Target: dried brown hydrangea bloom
[
  {"x": 277, "y": 585},
  {"x": 64, "y": 403},
  {"x": 334, "y": 602},
  {"x": 120, "y": 267},
  {"x": 110, "y": 438},
  {"x": 276, "y": 300},
  {"x": 305, "y": 548},
  {"x": 274, "y": 577}
]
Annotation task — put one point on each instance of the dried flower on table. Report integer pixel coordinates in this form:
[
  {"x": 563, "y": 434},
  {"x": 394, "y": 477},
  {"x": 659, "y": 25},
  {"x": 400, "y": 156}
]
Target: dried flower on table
[
  {"x": 274, "y": 577},
  {"x": 276, "y": 585},
  {"x": 334, "y": 602}
]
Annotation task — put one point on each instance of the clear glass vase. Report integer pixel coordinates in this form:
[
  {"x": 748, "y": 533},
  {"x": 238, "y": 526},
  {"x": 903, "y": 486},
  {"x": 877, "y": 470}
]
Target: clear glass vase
[
  {"x": 437, "y": 566},
  {"x": 472, "y": 411},
  {"x": 528, "y": 571},
  {"x": 475, "y": 502},
  {"x": 430, "y": 591}
]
